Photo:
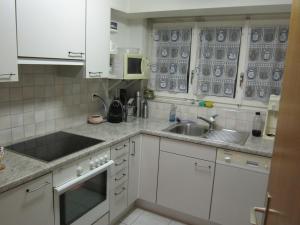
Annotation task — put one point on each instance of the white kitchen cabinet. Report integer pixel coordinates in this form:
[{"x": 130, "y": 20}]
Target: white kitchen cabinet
[
  {"x": 149, "y": 168},
  {"x": 8, "y": 43},
  {"x": 52, "y": 29},
  {"x": 97, "y": 38},
  {"x": 29, "y": 204},
  {"x": 185, "y": 184},
  {"x": 134, "y": 169}
]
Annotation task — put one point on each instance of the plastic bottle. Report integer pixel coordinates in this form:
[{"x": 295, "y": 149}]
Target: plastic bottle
[
  {"x": 172, "y": 116},
  {"x": 257, "y": 125}
]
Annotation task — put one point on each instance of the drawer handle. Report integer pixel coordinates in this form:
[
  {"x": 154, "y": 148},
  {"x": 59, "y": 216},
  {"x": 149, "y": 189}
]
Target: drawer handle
[
  {"x": 75, "y": 54},
  {"x": 121, "y": 177},
  {"x": 121, "y": 163},
  {"x": 38, "y": 188},
  {"x": 121, "y": 147},
  {"x": 6, "y": 76},
  {"x": 133, "y": 153},
  {"x": 252, "y": 163},
  {"x": 95, "y": 74},
  {"x": 120, "y": 192},
  {"x": 200, "y": 166}
]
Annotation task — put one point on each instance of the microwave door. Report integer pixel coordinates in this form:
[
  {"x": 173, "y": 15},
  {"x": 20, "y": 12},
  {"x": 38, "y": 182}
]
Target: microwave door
[{"x": 134, "y": 66}]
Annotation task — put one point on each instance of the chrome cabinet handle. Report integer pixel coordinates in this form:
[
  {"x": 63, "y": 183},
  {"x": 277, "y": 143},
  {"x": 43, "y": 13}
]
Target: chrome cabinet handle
[
  {"x": 75, "y": 54},
  {"x": 95, "y": 74},
  {"x": 118, "y": 149},
  {"x": 120, "y": 192},
  {"x": 119, "y": 164},
  {"x": 38, "y": 188},
  {"x": 199, "y": 166},
  {"x": 133, "y": 154},
  {"x": 6, "y": 76},
  {"x": 121, "y": 177}
]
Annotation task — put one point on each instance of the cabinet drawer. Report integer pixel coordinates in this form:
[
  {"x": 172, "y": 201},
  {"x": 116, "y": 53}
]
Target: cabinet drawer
[
  {"x": 120, "y": 163},
  {"x": 188, "y": 149},
  {"x": 118, "y": 201},
  {"x": 119, "y": 178},
  {"x": 119, "y": 149}
]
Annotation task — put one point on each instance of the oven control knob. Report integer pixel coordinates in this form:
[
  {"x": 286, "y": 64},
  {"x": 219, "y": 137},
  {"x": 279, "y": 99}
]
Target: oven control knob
[
  {"x": 106, "y": 158},
  {"x": 101, "y": 161},
  {"x": 92, "y": 165},
  {"x": 97, "y": 163},
  {"x": 79, "y": 171}
]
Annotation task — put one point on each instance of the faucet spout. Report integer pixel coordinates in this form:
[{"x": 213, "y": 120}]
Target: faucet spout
[{"x": 211, "y": 121}]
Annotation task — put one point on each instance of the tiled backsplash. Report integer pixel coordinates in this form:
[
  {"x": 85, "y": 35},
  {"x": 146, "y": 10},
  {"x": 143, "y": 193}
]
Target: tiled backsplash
[
  {"x": 45, "y": 100},
  {"x": 228, "y": 118}
]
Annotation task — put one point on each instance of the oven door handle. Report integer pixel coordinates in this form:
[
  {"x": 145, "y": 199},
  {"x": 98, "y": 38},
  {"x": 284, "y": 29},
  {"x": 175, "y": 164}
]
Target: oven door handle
[{"x": 67, "y": 186}]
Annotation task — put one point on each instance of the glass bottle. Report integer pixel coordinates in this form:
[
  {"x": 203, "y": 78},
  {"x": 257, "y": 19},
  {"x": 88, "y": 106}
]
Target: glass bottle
[{"x": 257, "y": 125}]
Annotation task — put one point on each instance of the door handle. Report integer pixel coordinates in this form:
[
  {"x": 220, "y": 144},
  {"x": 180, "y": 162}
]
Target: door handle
[
  {"x": 265, "y": 211},
  {"x": 133, "y": 153}
]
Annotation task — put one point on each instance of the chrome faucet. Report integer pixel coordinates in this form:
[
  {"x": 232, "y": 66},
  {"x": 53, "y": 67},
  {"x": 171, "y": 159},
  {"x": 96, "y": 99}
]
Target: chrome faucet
[{"x": 211, "y": 121}]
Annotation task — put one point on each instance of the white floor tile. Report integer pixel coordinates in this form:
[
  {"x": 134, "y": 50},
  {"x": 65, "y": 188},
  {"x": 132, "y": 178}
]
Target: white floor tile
[
  {"x": 148, "y": 218},
  {"x": 131, "y": 218}
]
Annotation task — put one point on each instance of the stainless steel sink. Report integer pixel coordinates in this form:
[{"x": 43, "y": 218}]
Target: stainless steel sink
[
  {"x": 190, "y": 129},
  {"x": 194, "y": 129},
  {"x": 228, "y": 136}
]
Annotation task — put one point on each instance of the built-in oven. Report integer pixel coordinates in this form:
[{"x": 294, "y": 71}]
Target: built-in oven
[{"x": 84, "y": 199}]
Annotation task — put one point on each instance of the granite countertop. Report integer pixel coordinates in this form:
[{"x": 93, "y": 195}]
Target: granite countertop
[{"x": 20, "y": 169}]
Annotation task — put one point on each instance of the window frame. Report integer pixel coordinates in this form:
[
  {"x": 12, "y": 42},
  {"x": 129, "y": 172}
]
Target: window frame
[{"x": 242, "y": 64}]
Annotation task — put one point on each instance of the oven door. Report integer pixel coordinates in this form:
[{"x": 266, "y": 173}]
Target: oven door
[{"x": 83, "y": 200}]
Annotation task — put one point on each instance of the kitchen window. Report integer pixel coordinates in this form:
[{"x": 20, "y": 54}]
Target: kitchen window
[{"x": 213, "y": 60}]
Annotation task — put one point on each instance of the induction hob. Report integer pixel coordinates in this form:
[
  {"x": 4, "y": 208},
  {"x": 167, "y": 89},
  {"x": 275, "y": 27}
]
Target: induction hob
[{"x": 53, "y": 146}]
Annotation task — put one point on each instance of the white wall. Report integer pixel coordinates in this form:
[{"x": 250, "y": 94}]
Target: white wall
[
  {"x": 166, "y": 5},
  {"x": 122, "y": 5}
]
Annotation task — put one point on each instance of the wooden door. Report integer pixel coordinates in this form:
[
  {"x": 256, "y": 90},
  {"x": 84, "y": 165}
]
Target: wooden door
[
  {"x": 8, "y": 43},
  {"x": 97, "y": 38},
  {"x": 185, "y": 184},
  {"x": 284, "y": 184},
  {"x": 134, "y": 169},
  {"x": 51, "y": 28},
  {"x": 149, "y": 168}
]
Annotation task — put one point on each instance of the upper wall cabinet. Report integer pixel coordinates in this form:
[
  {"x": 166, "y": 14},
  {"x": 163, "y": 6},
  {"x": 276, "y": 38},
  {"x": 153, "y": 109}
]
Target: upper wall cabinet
[
  {"x": 53, "y": 29},
  {"x": 8, "y": 43},
  {"x": 97, "y": 38}
]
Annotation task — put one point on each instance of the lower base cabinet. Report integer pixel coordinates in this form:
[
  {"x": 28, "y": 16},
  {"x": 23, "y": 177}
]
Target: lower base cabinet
[
  {"x": 28, "y": 204},
  {"x": 185, "y": 184}
]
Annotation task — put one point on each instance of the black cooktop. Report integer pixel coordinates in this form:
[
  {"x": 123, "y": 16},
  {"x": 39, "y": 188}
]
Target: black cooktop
[{"x": 53, "y": 146}]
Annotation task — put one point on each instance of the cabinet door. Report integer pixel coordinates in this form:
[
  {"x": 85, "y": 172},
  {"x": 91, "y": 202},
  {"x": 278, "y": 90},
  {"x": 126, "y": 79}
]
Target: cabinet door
[
  {"x": 240, "y": 188},
  {"x": 29, "y": 204},
  {"x": 97, "y": 38},
  {"x": 134, "y": 169},
  {"x": 185, "y": 184},
  {"x": 51, "y": 28},
  {"x": 8, "y": 43},
  {"x": 149, "y": 168}
]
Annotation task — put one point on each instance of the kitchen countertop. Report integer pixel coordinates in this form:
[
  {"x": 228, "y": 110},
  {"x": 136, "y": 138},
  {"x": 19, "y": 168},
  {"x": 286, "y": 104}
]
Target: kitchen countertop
[{"x": 21, "y": 169}]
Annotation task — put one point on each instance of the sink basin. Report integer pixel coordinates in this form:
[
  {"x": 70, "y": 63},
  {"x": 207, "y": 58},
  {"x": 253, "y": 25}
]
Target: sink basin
[
  {"x": 229, "y": 136},
  {"x": 224, "y": 135},
  {"x": 190, "y": 129}
]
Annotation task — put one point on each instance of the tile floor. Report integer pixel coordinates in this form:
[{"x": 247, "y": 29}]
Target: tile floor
[{"x": 142, "y": 217}]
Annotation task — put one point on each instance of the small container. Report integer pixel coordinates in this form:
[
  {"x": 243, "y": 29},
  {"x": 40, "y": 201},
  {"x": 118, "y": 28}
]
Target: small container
[
  {"x": 145, "y": 109},
  {"x": 257, "y": 125},
  {"x": 172, "y": 116}
]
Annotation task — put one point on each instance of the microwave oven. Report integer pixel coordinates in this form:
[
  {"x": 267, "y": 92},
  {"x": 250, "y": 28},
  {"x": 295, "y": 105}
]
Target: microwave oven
[{"x": 129, "y": 66}]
